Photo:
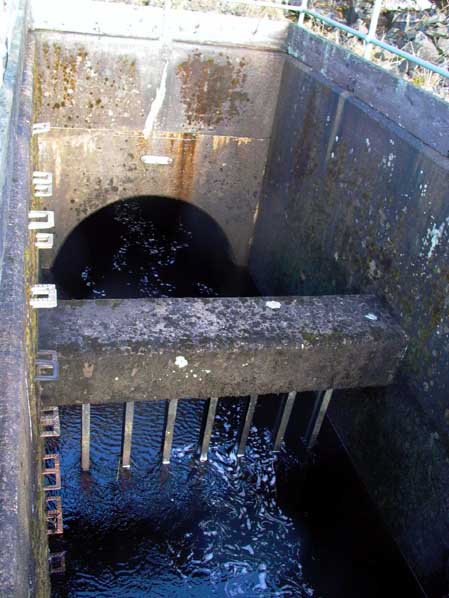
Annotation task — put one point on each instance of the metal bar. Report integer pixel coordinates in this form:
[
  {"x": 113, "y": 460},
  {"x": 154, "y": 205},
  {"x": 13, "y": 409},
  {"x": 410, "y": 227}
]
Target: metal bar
[
  {"x": 127, "y": 435},
  {"x": 284, "y": 419},
  {"x": 46, "y": 361},
  {"x": 250, "y": 409},
  {"x": 85, "y": 437},
  {"x": 363, "y": 36},
  {"x": 56, "y": 562},
  {"x": 50, "y": 425},
  {"x": 55, "y": 523},
  {"x": 169, "y": 430},
  {"x": 377, "y": 42},
  {"x": 372, "y": 28},
  {"x": 209, "y": 423},
  {"x": 302, "y": 13},
  {"x": 51, "y": 474},
  {"x": 427, "y": 65},
  {"x": 316, "y": 419}
]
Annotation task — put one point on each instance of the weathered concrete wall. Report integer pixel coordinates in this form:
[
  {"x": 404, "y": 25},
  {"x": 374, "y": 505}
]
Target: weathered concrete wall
[
  {"x": 23, "y": 535},
  {"x": 111, "y": 100},
  {"x": 352, "y": 202},
  {"x": 420, "y": 113}
]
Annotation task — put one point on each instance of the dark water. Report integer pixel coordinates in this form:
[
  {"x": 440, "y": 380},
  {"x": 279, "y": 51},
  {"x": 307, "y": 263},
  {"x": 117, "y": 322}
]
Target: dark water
[
  {"x": 148, "y": 248},
  {"x": 285, "y": 525}
]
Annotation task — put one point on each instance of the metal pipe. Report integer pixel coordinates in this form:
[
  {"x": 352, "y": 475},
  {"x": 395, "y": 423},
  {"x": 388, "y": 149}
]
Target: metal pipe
[
  {"x": 250, "y": 409},
  {"x": 286, "y": 411},
  {"x": 316, "y": 419},
  {"x": 363, "y": 36},
  {"x": 302, "y": 13},
  {"x": 169, "y": 430},
  {"x": 209, "y": 423},
  {"x": 372, "y": 28},
  {"x": 85, "y": 437},
  {"x": 128, "y": 419}
]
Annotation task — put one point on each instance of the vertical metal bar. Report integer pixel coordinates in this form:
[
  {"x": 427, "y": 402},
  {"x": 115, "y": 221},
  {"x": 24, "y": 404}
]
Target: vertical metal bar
[
  {"x": 209, "y": 423},
  {"x": 316, "y": 419},
  {"x": 372, "y": 28},
  {"x": 250, "y": 409},
  {"x": 302, "y": 14},
  {"x": 283, "y": 420},
  {"x": 85, "y": 437},
  {"x": 169, "y": 430},
  {"x": 127, "y": 434}
]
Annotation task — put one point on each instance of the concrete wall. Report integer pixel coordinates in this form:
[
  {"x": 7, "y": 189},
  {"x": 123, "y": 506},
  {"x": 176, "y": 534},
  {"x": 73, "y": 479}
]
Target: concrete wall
[
  {"x": 23, "y": 535},
  {"x": 109, "y": 100},
  {"x": 352, "y": 202}
]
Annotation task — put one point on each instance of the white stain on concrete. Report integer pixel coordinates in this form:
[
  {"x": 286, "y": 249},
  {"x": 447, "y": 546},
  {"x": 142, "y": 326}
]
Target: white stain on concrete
[
  {"x": 434, "y": 236},
  {"x": 181, "y": 361},
  {"x": 273, "y": 304},
  {"x": 156, "y": 104},
  {"x": 156, "y": 160},
  {"x": 371, "y": 317}
]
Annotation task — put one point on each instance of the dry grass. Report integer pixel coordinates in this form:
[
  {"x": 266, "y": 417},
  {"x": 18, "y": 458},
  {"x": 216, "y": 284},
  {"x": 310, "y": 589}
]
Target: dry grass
[{"x": 419, "y": 76}]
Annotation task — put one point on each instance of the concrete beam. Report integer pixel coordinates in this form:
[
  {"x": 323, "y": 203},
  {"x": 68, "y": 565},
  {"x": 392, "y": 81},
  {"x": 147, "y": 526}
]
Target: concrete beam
[
  {"x": 148, "y": 349},
  {"x": 149, "y": 22}
]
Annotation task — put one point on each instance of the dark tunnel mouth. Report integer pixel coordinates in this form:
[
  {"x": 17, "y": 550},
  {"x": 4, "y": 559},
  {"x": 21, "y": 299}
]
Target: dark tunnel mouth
[{"x": 147, "y": 246}]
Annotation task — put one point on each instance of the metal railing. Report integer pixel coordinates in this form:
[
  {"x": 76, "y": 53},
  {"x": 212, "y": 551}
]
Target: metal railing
[{"x": 369, "y": 38}]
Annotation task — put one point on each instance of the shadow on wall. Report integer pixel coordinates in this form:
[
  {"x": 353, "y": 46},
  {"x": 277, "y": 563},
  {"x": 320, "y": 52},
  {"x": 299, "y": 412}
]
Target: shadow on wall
[{"x": 147, "y": 247}]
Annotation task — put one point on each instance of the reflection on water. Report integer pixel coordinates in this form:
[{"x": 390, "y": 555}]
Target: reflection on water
[{"x": 259, "y": 527}]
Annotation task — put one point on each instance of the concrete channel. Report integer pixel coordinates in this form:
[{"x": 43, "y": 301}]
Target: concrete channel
[{"x": 329, "y": 178}]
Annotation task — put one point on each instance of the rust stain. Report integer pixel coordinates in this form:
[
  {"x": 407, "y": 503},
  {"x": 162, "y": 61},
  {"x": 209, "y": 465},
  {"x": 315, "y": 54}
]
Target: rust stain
[
  {"x": 212, "y": 92},
  {"x": 221, "y": 141},
  {"x": 80, "y": 88},
  {"x": 182, "y": 148},
  {"x": 184, "y": 151}
]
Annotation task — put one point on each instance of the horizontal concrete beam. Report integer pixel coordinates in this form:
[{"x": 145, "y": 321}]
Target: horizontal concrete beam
[
  {"x": 146, "y": 349},
  {"x": 149, "y": 22}
]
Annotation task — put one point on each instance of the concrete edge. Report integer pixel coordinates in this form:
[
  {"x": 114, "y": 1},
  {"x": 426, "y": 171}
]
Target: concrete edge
[
  {"x": 150, "y": 23},
  {"x": 9, "y": 106}
]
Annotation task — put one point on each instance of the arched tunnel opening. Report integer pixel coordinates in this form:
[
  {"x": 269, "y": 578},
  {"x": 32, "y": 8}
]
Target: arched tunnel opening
[{"x": 148, "y": 246}]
